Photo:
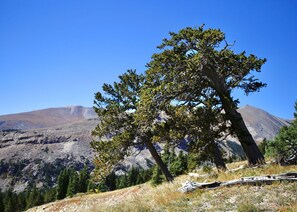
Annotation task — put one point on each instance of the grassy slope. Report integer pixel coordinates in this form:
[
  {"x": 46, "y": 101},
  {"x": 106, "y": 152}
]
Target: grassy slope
[{"x": 275, "y": 197}]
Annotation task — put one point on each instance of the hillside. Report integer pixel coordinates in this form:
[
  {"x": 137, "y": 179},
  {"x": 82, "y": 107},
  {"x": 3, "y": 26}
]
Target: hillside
[
  {"x": 38, "y": 155},
  {"x": 166, "y": 197},
  {"x": 46, "y": 118},
  {"x": 32, "y": 156}
]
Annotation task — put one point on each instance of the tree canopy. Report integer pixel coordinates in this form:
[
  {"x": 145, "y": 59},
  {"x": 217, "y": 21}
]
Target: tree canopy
[
  {"x": 186, "y": 91},
  {"x": 117, "y": 131},
  {"x": 195, "y": 68}
]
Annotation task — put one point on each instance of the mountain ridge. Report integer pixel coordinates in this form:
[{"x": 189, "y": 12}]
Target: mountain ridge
[
  {"x": 32, "y": 155},
  {"x": 46, "y": 117}
]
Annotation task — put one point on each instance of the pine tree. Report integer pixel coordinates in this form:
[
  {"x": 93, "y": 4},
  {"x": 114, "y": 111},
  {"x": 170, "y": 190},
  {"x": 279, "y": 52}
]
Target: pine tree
[
  {"x": 1, "y": 201},
  {"x": 144, "y": 176},
  {"x": 39, "y": 198},
  {"x": 34, "y": 198},
  {"x": 110, "y": 182},
  {"x": 120, "y": 128},
  {"x": 50, "y": 195},
  {"x": 194, "y": 68},
  {"x": 122, "y": 182},
  {"x": 157, "y": 177},
  {"x": 21, "y": 202},
  {"x": 63, "y": 181},
  {"x": 83, "y": 179},
  {"x": 73, "y": 184},
  {"x": 132, "y": 176},
  {"x": 179, "y": 164},
  {"x": 9, "y": 201},
  {"x": 91, "y": 186},
  {"x": 283, "y": 148}
]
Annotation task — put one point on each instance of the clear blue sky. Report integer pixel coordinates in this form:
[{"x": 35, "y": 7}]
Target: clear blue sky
[{"x": 59, "y": 52}]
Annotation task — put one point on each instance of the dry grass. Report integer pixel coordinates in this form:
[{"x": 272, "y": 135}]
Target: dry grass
[{"x": 280, "y": 196}]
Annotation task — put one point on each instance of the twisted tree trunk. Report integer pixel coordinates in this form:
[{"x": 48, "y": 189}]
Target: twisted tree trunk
[{"x": 245, "y": 138}]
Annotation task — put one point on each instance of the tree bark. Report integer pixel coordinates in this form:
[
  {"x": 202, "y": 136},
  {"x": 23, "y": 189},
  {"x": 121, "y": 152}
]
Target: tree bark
[
  {"x": 159, "y": 161},
  {"x": 217, "y": 157},
  {"x": 245, "y": 138}
]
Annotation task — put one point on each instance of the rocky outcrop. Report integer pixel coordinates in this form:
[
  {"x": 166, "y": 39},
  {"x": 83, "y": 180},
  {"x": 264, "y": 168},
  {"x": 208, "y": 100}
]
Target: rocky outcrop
[{"x": 37, "y": 156}]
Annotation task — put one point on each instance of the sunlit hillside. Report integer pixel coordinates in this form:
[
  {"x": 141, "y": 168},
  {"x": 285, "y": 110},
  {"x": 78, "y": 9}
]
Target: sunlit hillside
[{"x": 279, "y": 196}]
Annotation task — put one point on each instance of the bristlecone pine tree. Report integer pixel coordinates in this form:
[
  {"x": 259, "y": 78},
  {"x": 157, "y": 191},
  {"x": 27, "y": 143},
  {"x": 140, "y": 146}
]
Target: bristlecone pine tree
[
  {"x": 118, "y": 131},
  {"x": 196, "y": 64}
]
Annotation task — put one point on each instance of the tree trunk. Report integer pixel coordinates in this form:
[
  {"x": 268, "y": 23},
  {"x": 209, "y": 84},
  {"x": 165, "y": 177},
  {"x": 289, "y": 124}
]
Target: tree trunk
[
  {"x": 218, "y": 159},
  {"x": 245, "y": 138},
  {"x": 159, "y": 161}
]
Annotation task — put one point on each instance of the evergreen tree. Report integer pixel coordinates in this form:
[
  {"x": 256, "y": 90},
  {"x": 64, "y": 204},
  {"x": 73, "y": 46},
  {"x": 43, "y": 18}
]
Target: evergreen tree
[
  {"x": 39, "y": 198},
  {"x": 83, "y": 179},
  {"x": 157, "y": 177},
  {"x": 194, "y": 68},
  {"x": 122, "y": 182},
  {"x": 10, "y": 200},
  {"x": 132, "y": 176},
  {"x": 179, "y": 164},
  {"x": 144, "y": 176},
  {"x": 63, "y": 181},
  {"x": 91, "y": 186},
  {"x": 192, "y": 161},
  {"x": 73, "y": 184},
  {"x": 119, "y": 129},
  {"x": 21, "y": 202},
  {"x": 50, "y": 195},
  {"x": 110, "y": 182},
  {"x": 1, "y": 201},
  {"x": 284, "y": 146},
  {"x": 34, "y": 198}
]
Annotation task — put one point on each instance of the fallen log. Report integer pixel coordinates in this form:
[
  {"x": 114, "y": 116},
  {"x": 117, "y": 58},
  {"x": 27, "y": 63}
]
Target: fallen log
[{"x": 253, "y": 180}]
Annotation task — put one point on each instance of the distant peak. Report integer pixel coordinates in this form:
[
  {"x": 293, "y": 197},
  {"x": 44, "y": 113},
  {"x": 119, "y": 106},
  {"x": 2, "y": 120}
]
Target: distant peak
[
  {"x": 249, "y": 107},
  {"x": 75, "y": 106}
]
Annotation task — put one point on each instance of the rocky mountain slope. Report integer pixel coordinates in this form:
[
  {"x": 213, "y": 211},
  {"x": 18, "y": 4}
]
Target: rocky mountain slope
[
  {"x": 37, "y": 155},
  {"x": 46, "y": 118},
  {"x": 260, "y": 123}
]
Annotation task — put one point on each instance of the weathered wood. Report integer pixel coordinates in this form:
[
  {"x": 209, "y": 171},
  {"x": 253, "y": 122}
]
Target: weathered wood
[
  {"x": 253, "y": 180},
  {"x": 191, "y": 186}
]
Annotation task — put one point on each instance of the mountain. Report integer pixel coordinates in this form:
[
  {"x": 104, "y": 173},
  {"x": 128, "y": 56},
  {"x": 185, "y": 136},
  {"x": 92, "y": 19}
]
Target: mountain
[
  {"x": 46, "y": 118},
  {"x": 36, "y": 155},
  {"x": 260, "y": 123}
]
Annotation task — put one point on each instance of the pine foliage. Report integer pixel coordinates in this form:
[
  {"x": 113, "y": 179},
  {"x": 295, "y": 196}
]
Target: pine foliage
[{"x": 283, "y": 148}]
